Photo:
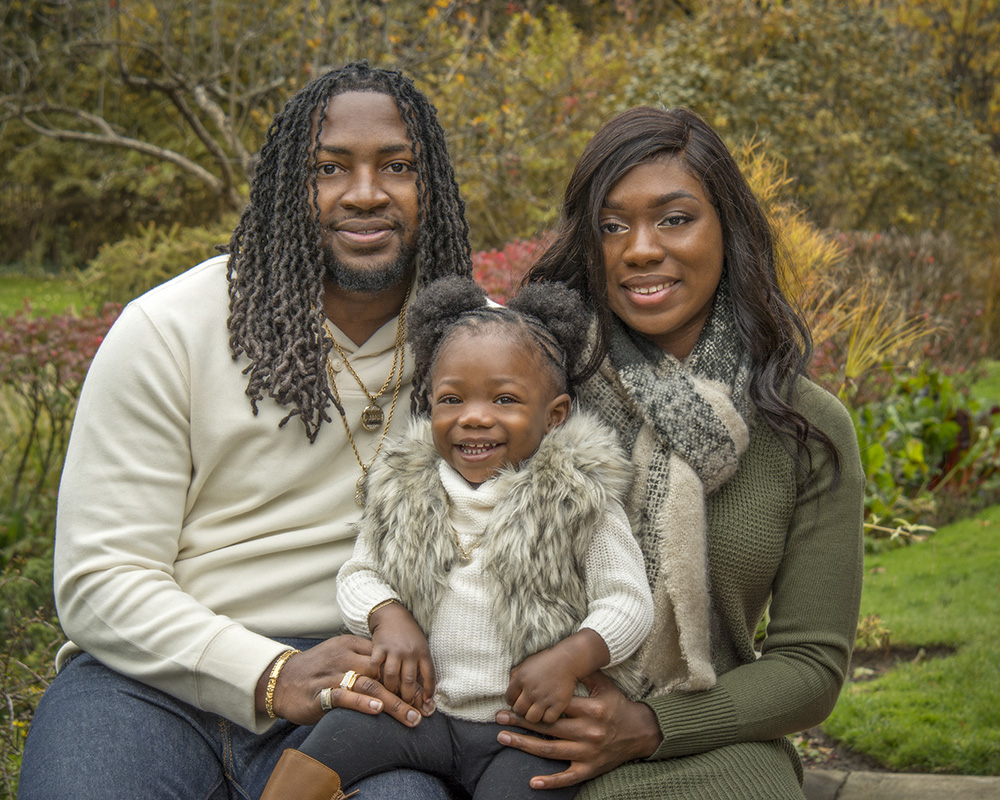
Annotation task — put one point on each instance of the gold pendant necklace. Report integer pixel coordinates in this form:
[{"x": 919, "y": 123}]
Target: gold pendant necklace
[
  {"x": 372, "y": 417},
  {"x": 466, "y": 558},
  {"x": 398, "y": 360}
]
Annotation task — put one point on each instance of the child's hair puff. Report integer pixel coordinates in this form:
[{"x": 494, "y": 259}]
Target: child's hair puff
[
  {"x": 547, "y": 316},
  {"x": 562, "y": 311}
]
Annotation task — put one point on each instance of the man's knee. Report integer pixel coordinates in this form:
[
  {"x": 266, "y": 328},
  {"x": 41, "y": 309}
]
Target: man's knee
[{"x": 99, "y": 734}]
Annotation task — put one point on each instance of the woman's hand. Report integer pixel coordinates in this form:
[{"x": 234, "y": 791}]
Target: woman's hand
[
  {"x": 597, "y": 734},
  {"x": 306, "y": 674}
]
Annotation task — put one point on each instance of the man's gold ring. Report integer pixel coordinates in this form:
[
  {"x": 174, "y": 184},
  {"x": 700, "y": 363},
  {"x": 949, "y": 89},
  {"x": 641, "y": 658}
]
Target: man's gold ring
[
  {"x": 347, "y": 682},
  {"x": 324, "y": 699}
]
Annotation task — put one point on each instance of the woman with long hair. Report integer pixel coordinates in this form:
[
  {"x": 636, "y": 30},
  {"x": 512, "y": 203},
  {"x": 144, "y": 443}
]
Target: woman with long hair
[{"x": 747, "y": 488}]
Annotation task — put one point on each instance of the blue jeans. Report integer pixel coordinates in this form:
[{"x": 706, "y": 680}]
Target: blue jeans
[{"x": 98, "y": 735}]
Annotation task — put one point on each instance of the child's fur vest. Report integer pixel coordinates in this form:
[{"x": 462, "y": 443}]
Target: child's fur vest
[{"x": 534, "y": 545}]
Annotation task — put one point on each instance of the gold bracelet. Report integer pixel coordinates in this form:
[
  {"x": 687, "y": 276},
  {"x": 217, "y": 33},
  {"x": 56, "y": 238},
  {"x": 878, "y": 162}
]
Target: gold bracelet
[
  {"x": 272, "y": 681},
  {"x": 383, "y": 604}
]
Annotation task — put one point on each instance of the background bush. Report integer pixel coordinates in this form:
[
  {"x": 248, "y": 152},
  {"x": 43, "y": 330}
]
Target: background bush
[
  {"x": 125, "y": 269},
  {"x": 43, "y": 361},
  {"x": 931, "y": 451}
]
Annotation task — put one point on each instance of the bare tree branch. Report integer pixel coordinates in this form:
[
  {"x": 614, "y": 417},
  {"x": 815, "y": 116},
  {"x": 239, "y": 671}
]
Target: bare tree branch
[
  {"x": 108, "y": 136},
  {"x": 224, "y": 124}
]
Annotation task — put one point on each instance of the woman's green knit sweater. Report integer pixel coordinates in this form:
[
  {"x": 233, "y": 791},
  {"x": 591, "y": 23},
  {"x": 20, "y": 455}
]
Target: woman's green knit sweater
[{"x": 796, "y": 551}]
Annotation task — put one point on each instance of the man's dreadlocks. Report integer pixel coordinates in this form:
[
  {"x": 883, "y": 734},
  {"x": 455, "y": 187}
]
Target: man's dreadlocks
[{"x": 275, "y": 267}]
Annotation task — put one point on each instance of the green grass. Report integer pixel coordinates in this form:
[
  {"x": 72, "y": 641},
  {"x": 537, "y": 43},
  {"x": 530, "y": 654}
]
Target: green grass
[
  {"x": 48, "y": 295},
  {"x": 988, "y": 387},
  {"x": 942, "y": 714}
]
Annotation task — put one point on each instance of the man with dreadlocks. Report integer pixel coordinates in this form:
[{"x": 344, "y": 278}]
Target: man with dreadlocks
[{"x": 215, "y": 466}]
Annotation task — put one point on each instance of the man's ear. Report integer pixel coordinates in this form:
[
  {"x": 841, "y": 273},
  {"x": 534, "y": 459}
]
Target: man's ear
[{"x": 558, "y": 410}]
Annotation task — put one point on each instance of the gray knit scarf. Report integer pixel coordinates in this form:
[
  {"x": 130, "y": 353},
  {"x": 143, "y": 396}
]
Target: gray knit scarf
[{"x": 685, "y": 426}]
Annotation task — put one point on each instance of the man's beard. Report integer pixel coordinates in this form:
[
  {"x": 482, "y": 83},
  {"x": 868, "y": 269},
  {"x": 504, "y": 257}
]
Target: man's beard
[{"x": 369, "y": 280}]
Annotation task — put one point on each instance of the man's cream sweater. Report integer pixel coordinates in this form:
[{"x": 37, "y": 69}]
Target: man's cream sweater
[{"x": 190, "y": 531}]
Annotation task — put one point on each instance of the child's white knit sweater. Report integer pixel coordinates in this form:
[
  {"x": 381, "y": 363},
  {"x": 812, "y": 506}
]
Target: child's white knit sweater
[{"x": 471, "y": 659}]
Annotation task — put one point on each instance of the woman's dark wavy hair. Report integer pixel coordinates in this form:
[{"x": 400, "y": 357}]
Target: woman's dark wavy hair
[
  {"x": 769, "y": 328},
  {"x": 275, "y": 266},
  {"x": 549, "y": 318}
]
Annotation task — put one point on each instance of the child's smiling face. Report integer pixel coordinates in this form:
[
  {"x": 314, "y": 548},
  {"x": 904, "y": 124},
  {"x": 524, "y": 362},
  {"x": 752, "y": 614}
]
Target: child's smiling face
[{"x": 492, "y": 401}]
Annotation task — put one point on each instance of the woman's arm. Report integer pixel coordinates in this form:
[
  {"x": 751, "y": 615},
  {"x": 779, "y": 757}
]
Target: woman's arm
[{"x": 815, "y": 593}]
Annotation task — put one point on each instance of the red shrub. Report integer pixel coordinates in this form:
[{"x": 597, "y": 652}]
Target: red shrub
[
  {"x": 499, "y": 272},
  {"x": 43, "y": 361}
]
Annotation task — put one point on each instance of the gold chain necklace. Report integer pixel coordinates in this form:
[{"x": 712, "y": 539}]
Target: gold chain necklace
[
  {"x": 398, "y": 359},
  {"x": 466, "y": 558},
  {"x": 372, "y": 417}
]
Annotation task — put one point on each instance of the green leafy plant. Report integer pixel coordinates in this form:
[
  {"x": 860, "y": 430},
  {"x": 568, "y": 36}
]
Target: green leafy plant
[{"x": 926, "y": 438}]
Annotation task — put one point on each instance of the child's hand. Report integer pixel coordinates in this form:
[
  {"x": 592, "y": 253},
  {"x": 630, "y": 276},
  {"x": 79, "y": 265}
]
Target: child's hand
[
  {"x": 542, "y": 685},
  {"x": 401, "y": 656}
]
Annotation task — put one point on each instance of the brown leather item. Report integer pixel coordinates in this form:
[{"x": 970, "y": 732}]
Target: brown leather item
[{"x": 297, "y": 776}]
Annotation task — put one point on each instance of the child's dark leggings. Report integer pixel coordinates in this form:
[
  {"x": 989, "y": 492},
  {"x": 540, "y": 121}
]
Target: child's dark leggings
[{"x": 358, "y": 745}]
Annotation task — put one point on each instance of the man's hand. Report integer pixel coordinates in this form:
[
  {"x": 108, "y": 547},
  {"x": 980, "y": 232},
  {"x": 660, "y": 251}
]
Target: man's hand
[{"x": 306, "y": 674}]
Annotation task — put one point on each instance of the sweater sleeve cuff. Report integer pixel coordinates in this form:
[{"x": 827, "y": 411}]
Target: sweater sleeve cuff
[
  {"x": 227, "y": 675},
  {"x": 693, "y": 722}
]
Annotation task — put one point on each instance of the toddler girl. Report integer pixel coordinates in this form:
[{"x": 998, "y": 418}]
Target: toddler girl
[{"x": 495, "y": 566}]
